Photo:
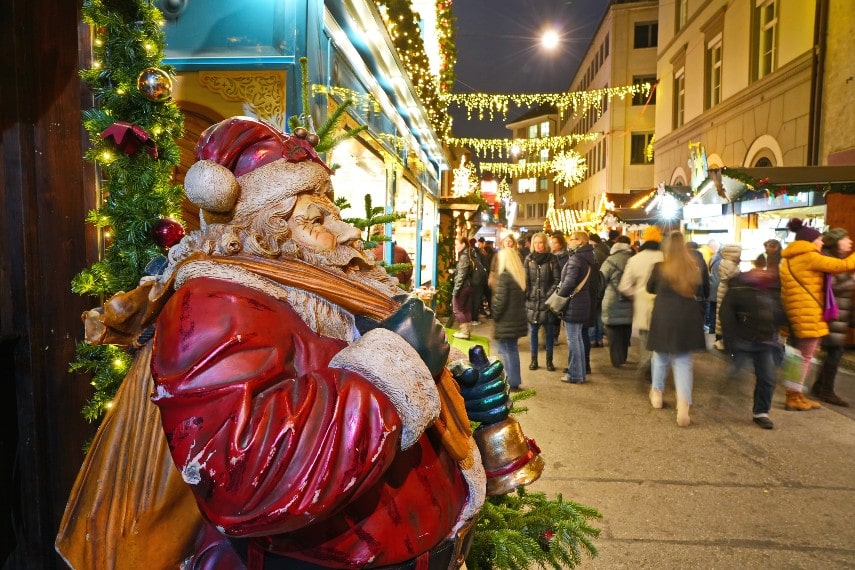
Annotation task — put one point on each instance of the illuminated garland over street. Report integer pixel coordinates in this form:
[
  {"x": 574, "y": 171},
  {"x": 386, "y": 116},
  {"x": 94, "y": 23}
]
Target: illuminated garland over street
[
  {"x": 447, "y": 48},
  {"x": 512, "y": 170},
  {"x": 489, "y": 104},
  {"x": 508, "y": 148}
]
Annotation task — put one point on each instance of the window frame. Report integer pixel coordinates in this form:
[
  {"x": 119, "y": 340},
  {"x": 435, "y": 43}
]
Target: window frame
[{"x": 643, "y": 138}]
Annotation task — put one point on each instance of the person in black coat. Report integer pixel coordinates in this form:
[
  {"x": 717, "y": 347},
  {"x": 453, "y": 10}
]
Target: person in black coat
[
  {"x": 751, "y": 315},
  {"x": 541, "y": 271},
  {"x": 676, "y": 325},
  {"x": 575, "y": 281},
  {"x": 509, "y": 318}
]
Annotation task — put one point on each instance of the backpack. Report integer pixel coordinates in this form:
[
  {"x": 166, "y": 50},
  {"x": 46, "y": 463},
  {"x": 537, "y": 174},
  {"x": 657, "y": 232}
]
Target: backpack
[{"x": 479, "y": 272}]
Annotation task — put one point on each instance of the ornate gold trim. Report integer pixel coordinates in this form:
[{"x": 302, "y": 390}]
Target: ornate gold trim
[{"x": 262, "y": 92}]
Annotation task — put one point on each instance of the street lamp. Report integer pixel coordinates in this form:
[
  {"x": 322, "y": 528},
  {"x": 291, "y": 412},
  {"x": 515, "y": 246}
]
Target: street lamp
[{"x": 549, "y": 40}]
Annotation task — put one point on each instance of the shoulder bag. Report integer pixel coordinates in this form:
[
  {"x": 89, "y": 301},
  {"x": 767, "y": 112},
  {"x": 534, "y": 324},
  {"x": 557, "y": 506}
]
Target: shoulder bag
[
  {"x": 829, "y": 308},
  {"x": 556, "y": 303}
]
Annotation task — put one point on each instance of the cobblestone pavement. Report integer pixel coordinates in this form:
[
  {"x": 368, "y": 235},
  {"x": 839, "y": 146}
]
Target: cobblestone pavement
[{"x": 721, "y": 493}]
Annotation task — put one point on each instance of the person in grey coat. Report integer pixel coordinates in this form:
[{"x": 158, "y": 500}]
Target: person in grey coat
[
  {"x": 836, "y": 243},
  {"x": 575, "y": 280},
  {"x": 617, "y": 309},
  {"x": 509, "y": 319}
]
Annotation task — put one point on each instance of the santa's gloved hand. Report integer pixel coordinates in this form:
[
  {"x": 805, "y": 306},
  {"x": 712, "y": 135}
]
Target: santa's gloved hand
[
  {"x": 417, "y": 324},
  {"x": 483, "y": 386}
]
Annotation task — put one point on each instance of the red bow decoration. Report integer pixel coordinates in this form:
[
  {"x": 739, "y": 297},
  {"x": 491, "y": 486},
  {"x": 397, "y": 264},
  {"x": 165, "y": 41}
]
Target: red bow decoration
[{"x": 129, "y": 138}]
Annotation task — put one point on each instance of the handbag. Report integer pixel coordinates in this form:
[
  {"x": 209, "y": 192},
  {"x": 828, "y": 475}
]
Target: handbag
[
  {"x": 556, "y": 303},
  {"x": 830, "y": 310}
]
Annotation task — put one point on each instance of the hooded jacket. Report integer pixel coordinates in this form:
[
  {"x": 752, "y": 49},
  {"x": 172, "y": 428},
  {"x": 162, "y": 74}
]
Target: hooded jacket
[
  {"x": 617, "y": 309},
  {"x": 578, "y": 309},
  {"x": 633, "y": 284},
  {"x": 803, "y": 286},
  {"x": 727, "y": 270}
]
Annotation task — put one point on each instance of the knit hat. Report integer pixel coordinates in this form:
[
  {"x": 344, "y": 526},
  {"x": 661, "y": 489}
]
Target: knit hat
[
  {"x": 653, "y": 233},
  {"x": 803, "y": 232},
  {"x": 832, "y": 236},
  {"x": 244, "y": 164}
]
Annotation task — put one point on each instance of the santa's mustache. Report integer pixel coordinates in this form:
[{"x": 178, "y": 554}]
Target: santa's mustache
[{"x": 344, "y": 255}]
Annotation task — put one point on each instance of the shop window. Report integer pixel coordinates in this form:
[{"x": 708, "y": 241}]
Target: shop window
[
  {"x": 646, "y": 35},
  {"x": 765, "y": 40},
  {"x": 641, "y": 98},
  {"x": 638, "y": 148},
  {"x": 713, "y": 72}
]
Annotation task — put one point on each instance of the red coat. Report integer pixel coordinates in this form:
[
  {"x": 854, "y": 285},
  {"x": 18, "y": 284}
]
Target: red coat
[{"x": 277, "y": 445}]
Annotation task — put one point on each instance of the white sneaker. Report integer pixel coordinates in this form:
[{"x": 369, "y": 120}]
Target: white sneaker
[
  {"x": 475, "y": 323},
  {"x": 656, "y": 398}
]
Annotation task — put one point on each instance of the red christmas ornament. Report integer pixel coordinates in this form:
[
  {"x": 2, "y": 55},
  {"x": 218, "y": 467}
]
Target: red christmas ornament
[
  {"x": 167, "y": 232},
  {"x": 129, "y": 138}
]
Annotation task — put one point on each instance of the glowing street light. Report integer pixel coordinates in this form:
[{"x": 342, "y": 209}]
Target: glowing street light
[{"x": 549, "y": 40}]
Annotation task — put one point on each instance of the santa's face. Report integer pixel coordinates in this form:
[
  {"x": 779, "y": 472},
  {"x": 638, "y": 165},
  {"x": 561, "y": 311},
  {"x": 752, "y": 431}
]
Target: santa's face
[{"x": 315, "y": 225}]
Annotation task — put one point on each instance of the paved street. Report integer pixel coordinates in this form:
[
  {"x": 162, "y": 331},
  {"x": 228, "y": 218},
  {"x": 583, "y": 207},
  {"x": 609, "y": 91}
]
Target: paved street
[{"x": 722, "y": 493}]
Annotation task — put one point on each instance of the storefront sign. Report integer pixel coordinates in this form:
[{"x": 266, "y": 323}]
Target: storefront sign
[
  {"x": 800, "y": 200},
  {"x": 694, "y": 211}
]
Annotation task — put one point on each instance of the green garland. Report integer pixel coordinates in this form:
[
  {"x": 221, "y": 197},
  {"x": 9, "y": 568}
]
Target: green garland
[
  {"x": 447, "y": 47},
  {"x": 138, "y": 190},
  {"x": 403, "y": 27}
]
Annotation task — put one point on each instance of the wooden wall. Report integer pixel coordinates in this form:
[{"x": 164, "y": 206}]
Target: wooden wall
[{"x": 46, "y": 191}]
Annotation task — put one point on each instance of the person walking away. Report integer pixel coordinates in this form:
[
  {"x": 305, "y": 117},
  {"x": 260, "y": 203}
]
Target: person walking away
[
  {"x": 835, "y": 243},
  {"x": 509, "y": 315},
  {"x": 575, "y": 280},
  {"x": 541, "y": 280},
  {"x": 772, "y": 255},
  {"x": 751, "y": 315},
  {"x": 803, "y": 270},
  {"x": 617, "y": 309},
  {"x": 489, "y": 257},
  {"x": 715, "y": 261},
  {"x": 478, "y": 280},
  {"x": 676, "y": 325},
  {"x": 704, "y": 288},
  {"x": 461, "y": 294},
  {"x": 633, "y": 284},
  {"x": 596, "y": 330},
  {"x": 727, "y": 269}
]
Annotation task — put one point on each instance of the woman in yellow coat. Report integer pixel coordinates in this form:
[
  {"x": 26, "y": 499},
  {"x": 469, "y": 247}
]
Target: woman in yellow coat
[{"x": 803, "y": 270}]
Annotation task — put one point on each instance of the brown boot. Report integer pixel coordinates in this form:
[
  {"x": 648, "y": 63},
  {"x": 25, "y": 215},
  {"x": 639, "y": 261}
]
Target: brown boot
[
  {"x": 814, "y": 405},
  {"x": 683, "y": 419},
  {"x": 796, "y": 402}
]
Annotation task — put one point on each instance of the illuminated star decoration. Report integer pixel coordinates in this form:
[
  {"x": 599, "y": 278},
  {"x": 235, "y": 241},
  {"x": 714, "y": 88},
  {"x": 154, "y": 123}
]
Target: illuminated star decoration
[{"x": 569, "y": 168}]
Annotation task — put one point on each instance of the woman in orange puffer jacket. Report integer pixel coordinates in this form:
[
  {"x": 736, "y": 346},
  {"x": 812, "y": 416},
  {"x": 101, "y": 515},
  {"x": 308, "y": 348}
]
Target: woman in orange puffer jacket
[{"x": 803, "y": 270}]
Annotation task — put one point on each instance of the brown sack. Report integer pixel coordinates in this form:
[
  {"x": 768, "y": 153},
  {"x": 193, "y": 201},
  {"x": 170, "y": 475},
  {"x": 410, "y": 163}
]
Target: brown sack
[{"x": 129, "y": 507}]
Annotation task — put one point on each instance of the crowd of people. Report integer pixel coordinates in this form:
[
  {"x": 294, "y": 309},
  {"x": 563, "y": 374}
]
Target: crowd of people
[{"x": 672, "y": 292}]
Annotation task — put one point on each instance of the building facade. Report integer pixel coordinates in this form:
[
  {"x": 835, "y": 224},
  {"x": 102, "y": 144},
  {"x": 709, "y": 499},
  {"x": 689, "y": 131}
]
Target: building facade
[
  {"x": 530, "y": 196},
  {"x": 622, "y": 52},
  {"x": 752, "y": 83}
]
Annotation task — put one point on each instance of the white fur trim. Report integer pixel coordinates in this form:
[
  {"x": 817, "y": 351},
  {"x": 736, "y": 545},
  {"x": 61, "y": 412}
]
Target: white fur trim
[
  {"x": 211, "y": 186},
  {"x": 476, "y": 479},
  {"x": 392, "y": 365}
]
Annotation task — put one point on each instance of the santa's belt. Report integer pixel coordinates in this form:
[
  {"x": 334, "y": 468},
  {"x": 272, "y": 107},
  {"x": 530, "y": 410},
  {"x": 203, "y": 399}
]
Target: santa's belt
[{"x": 447, "y": 555}]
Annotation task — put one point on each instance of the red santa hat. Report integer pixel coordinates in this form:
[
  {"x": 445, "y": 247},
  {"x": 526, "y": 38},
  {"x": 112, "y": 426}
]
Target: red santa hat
[{"x": 244, "y": 165}]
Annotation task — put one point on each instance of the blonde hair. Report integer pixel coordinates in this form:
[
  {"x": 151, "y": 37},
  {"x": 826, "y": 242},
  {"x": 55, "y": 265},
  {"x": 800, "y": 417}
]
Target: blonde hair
[
  {"x": 581, "y": 237},
  {"x": 509, "y": 260},
  {"x": 539, "y": 236},
  {"x": 679, "y": 270}
]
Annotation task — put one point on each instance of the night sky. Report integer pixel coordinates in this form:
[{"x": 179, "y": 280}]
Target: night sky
[{"x": 498, "y": 51}]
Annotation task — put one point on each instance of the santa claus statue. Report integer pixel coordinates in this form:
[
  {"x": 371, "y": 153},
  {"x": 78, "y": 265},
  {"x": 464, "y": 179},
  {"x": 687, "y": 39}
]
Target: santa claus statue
[{"x": 310, "y": 412}]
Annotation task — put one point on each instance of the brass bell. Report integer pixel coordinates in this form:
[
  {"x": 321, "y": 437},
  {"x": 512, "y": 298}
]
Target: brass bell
[{"x": 510, "y": 458}]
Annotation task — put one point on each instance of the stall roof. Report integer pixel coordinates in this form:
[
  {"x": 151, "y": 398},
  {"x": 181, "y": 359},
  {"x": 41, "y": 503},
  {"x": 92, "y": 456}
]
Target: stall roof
[{"x": 734, "y": 182}]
